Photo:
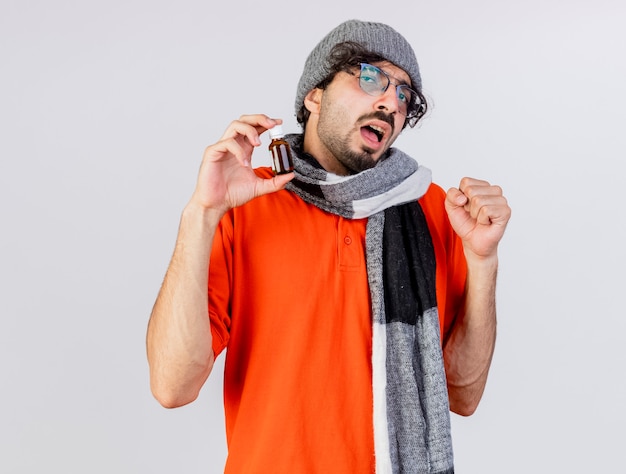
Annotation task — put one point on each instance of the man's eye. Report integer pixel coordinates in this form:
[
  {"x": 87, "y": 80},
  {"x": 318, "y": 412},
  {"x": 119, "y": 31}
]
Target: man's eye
[{"x": 404, "y": 96}]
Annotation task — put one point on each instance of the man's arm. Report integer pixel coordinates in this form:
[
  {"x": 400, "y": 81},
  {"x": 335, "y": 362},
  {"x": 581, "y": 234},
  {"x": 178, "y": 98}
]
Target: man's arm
[
  {"x": 179, "y": 339},
  {"x": 179, "y": 349},
  {"x": 479, "y": 214}
]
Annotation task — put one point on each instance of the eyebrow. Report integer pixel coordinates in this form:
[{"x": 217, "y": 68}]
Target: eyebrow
[{"x": 399, "y": 82}]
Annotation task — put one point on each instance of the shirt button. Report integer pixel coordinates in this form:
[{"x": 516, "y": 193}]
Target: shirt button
[{"x": 347, "y": 240}]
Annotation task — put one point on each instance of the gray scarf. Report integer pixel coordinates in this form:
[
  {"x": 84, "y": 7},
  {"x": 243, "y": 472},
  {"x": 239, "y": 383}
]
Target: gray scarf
[{"x": 411, "y": 407}]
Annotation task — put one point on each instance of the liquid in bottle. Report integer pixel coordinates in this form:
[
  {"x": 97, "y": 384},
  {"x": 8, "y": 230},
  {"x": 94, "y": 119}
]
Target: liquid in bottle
[{"x": 282, "y": 162}]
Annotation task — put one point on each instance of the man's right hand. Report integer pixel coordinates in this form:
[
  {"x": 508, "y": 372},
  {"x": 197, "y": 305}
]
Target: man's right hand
[
  {"x": 179, "y": 339},
  {"x": 226, "y": 178}
]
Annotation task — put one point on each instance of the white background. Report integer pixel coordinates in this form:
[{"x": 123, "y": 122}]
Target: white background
[{"x": 105, "y": 109}]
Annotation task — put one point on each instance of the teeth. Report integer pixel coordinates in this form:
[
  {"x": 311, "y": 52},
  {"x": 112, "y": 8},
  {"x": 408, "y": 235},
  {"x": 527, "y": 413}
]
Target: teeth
[{"x": 378, "y": 131}]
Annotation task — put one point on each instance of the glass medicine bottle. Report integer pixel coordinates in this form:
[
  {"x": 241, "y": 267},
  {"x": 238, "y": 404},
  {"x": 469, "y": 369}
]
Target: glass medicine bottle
[{"x": 282, "y": 162}]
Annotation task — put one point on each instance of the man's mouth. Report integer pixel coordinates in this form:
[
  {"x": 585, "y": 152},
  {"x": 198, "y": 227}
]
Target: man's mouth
[
  {"x": 377, "y": 132},
  {"x": 376, "y": 128}
]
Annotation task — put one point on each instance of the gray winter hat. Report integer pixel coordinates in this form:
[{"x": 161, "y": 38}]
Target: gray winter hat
[{"x": 375, "y": 37}]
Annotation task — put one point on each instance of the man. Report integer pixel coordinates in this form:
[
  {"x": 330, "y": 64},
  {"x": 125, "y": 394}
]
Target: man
[{"x": 356, "y": 300}]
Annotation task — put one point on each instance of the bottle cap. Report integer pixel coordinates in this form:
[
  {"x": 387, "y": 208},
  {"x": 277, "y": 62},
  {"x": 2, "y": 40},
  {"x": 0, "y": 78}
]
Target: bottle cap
[{"x": 276, "y": 132}]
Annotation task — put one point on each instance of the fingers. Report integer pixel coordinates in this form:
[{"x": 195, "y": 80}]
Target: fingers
[
  {"x": 240, "y": 137},
  {"x": 455, "y": 198},
  {"x": 483, "y": 201},
  {"x": 250, "y": 126},
  {"x": 476, "y": 187},
  {"x": 226, "y": 148},
  {"x": 278, "y": 182},
  {"x": 479, "y": 214}
]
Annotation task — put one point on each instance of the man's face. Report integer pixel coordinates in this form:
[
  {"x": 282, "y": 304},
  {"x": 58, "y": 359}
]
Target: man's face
[{"x": 358, "y": 128}]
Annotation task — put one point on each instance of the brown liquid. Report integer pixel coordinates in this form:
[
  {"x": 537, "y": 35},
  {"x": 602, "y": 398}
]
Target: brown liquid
[{"x": 281, "y": 156}]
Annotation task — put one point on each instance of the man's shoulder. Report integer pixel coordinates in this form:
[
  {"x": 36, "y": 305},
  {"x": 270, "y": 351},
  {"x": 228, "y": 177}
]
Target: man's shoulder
[{"x": 433, "y": 199}]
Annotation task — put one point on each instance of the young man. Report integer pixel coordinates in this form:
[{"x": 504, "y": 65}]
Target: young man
[{"x": 356, "y": 300}]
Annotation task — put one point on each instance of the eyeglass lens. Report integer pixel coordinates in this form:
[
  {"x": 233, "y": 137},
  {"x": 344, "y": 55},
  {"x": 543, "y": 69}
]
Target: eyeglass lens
[{"x": 375, "y": 81}]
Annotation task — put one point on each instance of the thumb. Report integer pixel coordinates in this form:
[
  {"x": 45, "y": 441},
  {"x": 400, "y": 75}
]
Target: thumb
[
  {"x": 274, "y": 184},
  {"x": 454, "y": 199}
]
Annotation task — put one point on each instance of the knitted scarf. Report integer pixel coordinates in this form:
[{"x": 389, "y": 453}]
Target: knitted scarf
[{"x": 411, "y": 408}]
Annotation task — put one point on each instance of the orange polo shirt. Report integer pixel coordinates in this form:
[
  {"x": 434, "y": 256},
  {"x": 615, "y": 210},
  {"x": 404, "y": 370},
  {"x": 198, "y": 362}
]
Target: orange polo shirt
[{"x": 289, "y": 300}]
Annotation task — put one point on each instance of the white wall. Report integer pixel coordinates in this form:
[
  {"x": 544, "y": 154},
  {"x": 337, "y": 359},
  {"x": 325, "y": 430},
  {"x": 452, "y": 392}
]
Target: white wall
[{"x": 105, "y": 109}]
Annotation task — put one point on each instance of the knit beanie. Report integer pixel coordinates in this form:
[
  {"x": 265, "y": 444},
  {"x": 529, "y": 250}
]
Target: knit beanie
[{"x": 377, "y": 38}]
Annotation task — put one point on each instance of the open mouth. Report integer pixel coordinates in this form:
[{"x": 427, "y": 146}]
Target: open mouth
[{"x": 374, "y": 132}]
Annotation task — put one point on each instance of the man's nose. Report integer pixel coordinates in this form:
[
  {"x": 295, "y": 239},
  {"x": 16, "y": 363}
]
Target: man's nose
[{"x": 389, "y": 100}]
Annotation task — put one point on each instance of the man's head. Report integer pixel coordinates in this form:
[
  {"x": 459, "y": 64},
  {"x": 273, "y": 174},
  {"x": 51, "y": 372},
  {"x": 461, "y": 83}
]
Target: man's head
[{"x": 370, "y": 42}]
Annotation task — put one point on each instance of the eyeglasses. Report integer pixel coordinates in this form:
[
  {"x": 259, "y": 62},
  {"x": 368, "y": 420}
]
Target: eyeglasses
[{"x": 374, "y": 81}]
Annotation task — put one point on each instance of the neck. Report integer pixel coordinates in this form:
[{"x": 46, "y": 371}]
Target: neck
[{"x": 314, "y": 147}]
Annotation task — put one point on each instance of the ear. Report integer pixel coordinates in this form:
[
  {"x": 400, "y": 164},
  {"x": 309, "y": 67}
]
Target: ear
[{"x": 313, "y": 100}]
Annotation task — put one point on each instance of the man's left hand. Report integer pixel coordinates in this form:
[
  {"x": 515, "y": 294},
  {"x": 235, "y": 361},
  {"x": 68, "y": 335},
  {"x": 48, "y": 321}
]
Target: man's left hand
[{"x": 479, "y": 214}]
